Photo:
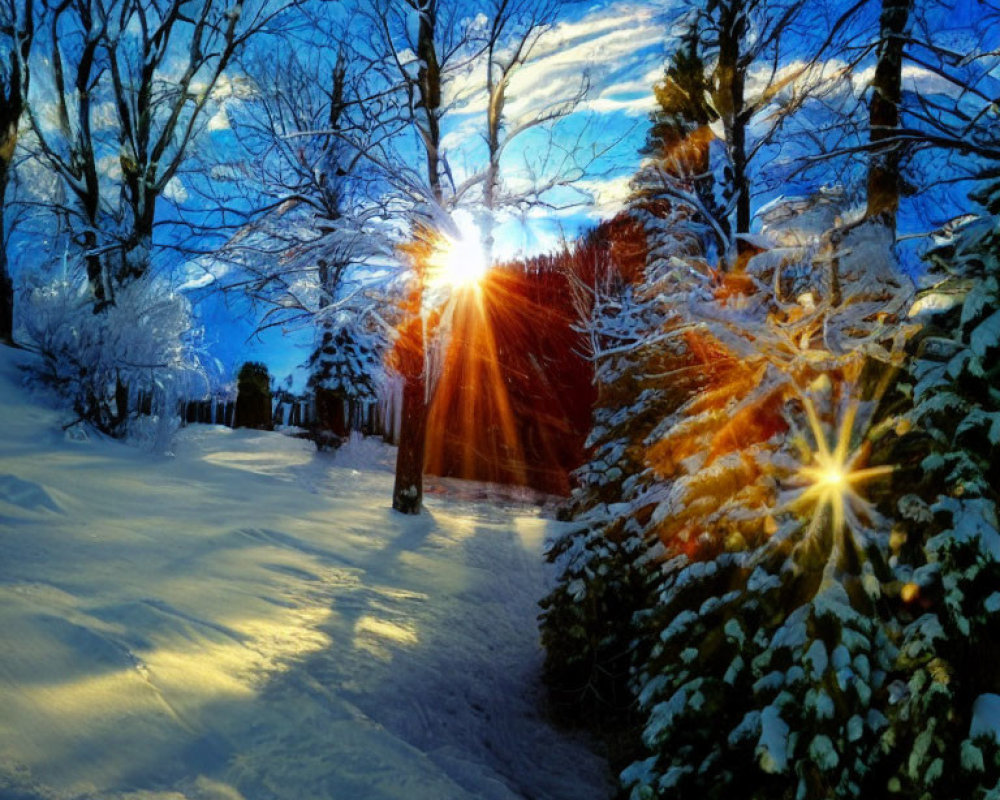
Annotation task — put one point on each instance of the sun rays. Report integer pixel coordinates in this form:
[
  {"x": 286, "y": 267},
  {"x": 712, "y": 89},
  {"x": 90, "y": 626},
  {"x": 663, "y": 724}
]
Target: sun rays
[{"x": 832, "y": 473}]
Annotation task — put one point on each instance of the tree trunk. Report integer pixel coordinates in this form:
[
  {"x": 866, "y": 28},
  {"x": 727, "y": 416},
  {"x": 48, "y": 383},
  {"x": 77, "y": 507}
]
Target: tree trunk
[
  {"x": 408, "y": 491},
  {"x": 887, "y": 93},
  {"x": 330, "y": 412},
  {"x": 14, "y": 79},
  {"x": 730, "y": 90},
  {"x": 429, "y": 86},
  {"x": 6, "y": 303},
  {"x": 6, "y": 284},
  {"x": 497, "y": 96}
]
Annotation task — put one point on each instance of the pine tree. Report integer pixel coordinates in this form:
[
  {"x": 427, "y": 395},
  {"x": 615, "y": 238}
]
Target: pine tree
[
  {"x": 586, "y": 623},
  {"x": 767, "y": 603},
  {"x": 344, "y": 369},
  {"x": 947, "y": 540},
  {"x": 587, "y": 620}
]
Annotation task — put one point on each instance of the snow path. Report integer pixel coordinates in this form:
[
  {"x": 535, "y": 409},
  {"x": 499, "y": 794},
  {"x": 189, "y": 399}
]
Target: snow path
[{"x": 250, "y": 620}]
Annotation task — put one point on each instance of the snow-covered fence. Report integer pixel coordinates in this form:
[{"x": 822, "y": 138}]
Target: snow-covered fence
[
  {"x": 219, "y": 410},
  {"x": 290, "y": 410}
]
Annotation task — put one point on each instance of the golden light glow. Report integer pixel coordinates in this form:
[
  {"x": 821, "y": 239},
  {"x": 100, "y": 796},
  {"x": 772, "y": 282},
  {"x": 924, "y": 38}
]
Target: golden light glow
[
  {"x": 472, "y": 387},
  {"x": 834, "y": 473},
  {"x": 834, "y": 476},
  {"x": 458, "y": 262},
  {"x": 909, "y": 592}
]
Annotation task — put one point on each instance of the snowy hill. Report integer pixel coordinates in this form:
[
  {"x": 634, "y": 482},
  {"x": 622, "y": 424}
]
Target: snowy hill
[{"x": 248, "y": 619}]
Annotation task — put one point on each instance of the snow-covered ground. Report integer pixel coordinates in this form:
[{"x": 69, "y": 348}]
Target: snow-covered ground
[{"x": 248, "y": 619}]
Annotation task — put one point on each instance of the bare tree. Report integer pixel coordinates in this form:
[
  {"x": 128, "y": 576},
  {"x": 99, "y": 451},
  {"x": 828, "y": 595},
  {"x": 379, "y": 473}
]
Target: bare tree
[
  {"x": 310, "y": 130},
  {"x": 431, "y": 43},
  {"x": 159, "y": 117},
  {"x": 76, "y": 29},
  {"x": 424, "y": 92},
  {"x": 755, "y": 88},
  {"x": 17, "y": 29},
  {"x": 423, "y": 40},
  {"x": 942, "y": 128},
  {"x": 927, "y": 117},
  {"x": 516, "y": 28},
  {"x": 158, "y": 65}
]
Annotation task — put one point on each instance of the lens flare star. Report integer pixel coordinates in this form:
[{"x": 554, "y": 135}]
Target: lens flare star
[{"x": 832, "y": 475}]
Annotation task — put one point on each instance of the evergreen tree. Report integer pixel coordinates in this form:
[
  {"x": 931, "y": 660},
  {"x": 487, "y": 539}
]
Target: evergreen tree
[
  {"x": 586, "y": 623},
  {"x": 344, "y": 369},
  {"x": 947, "y": 541},
  {"x": 677, "y": 147}
]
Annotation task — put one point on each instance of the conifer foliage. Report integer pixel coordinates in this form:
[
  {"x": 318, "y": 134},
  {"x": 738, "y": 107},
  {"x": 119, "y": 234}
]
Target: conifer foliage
[
  {"x": 944, "y": 735},
  {"x": 788, "y": 527},
  {"x": 344, "y": 368}
]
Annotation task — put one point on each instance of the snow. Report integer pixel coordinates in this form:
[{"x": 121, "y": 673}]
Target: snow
[
  {"x": 986, "y": 717},
  {"x": 772, "y": 747},
  {"x": 249, "y": 619}
]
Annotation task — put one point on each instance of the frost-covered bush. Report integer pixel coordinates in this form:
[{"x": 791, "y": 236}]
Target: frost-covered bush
[{"x": 102, "y": 362}]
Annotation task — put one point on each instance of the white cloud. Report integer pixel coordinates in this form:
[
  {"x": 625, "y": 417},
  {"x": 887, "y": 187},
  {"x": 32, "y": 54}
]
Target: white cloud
[
  {"x": 608, "y": 46},
  {"x": 219, "y": 120},
  {"x": 175, "y": 191},
  {"x": 630, "y": 106},
  {"x": 610, "y": 194}
]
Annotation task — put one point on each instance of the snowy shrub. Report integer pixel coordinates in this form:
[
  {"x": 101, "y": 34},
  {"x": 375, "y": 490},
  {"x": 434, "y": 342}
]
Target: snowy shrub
[
  {"x": 345, "y": 368},
  {"x": 101, "y": 363},
  {"x": 348, "y": 358}
]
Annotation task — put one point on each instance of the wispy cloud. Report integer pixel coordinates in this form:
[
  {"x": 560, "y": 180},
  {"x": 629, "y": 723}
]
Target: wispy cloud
[{"x": 608, "y": 47}]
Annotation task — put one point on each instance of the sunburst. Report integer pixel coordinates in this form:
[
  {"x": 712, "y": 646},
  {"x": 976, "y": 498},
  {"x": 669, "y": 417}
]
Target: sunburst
[
  {"x": 457, "y": 261},
  {"x": 833, "y": 473}
]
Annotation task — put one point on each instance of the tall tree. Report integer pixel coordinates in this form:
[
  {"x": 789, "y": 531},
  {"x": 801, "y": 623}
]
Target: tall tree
[
  {"x": 515, "y": 29},
  {"x": 676, "y": 182},
  {"x": 730, "y": 26},
  {"x": 159, "y": 66},
  {"x": 425, "y": 93},
  {"x": 76, "y": 30},
  {"x": 740, "y": 39},
  {"x": 884, "y": 113},
  {"x": 442, "y": 41},
  {"x": 422, "y": 40},
  {"x": 17, "y": 28}
]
